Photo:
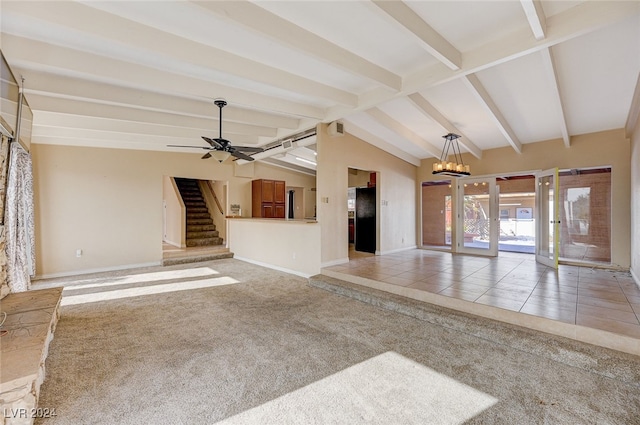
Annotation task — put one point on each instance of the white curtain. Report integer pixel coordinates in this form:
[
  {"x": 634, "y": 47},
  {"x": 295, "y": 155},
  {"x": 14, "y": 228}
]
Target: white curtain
[{"x": 19, "y": 220}]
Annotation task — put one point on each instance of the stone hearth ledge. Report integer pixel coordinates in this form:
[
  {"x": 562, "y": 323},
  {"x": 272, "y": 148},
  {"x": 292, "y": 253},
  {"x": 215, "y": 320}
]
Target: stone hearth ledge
[{"x": 31, "y": 321}]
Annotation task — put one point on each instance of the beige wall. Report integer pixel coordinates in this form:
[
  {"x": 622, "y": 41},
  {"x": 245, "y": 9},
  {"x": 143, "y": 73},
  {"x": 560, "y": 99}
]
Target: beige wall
[
  {"x": 219, "y": 218},
  {"x": 395, "y": 188},
  {"x": 609, "y": 148},
  {"x": 174, "y": 214},
  {"x": 359, "y": 179},
  {"x": 288, "y": 245},
  {"x": 310, "y": 202},
  {"x": 108, "y": 202},
  {"x": 635, "y": 203},
  {"x": 220, "y": 189}
]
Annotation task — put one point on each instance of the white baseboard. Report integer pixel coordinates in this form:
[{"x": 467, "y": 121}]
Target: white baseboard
[
  {"x": 393, "y": 251},
  {"x": 335, "y": 262},
  {"x": 271, "y": 266},
  {"x": 99, "y": 270},
  {"x": 176, "y": 244},
  {"x": 635, "y": 277}
]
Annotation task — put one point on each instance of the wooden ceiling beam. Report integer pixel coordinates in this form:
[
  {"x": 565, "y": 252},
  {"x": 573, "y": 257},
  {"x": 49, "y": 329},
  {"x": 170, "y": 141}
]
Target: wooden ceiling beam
[
  {"x": 428, "y": 109},
  {"x": 430, "y": 39},
  {"x": 286, "y": 33},
  {"x": 476, "y": 87},
  {"x": 403, "y": 131},
  {"x": 535, "y": 16},
  {"x": 552, "y": 76}
]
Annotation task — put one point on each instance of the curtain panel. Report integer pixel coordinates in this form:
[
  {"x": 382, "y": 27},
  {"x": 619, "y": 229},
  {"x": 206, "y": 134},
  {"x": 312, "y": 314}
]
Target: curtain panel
[{"x": 19, "y": 222}]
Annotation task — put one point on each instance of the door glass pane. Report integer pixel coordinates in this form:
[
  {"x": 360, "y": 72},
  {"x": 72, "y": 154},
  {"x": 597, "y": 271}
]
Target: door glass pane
[
  {"x": 436, "y": 214},
  {"x": 585, "y": 221},
  {"x": 576, "y": 209},
  {"x": 476, "y": 215},
  {"x": 546, "y": 187},
  {"x": 448, "y": 224},
  {"x": 517, "y": 214}
]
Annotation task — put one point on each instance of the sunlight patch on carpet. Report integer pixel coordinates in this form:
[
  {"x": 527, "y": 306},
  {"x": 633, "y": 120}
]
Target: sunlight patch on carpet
[
  {"x": 146, "y": 290},
  {"x": 388, "y": 388},
  {"x": 143, "y": 277}
]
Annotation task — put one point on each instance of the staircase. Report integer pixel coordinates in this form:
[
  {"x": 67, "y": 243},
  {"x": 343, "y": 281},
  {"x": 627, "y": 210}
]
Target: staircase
[{"x": 201, "y": 231}]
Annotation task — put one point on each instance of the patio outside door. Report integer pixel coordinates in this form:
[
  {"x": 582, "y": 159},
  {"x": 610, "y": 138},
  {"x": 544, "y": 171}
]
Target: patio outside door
[
  {"x": 478, "y": 216},
  {"x": 548, "y": 218}
]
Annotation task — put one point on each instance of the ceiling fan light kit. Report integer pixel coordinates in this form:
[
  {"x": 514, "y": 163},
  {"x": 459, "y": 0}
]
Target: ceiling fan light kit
[
  {"x": 449, "y": 168},
  {"x": 220, "y": 156}
]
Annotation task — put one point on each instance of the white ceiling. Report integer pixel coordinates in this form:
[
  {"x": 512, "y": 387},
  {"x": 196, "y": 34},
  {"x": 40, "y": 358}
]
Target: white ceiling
[{"x": 400, "y": 75}]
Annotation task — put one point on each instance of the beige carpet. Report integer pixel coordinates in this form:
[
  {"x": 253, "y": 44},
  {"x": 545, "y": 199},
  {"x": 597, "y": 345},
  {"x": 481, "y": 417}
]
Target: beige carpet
[{"x": 230, "y": 342}]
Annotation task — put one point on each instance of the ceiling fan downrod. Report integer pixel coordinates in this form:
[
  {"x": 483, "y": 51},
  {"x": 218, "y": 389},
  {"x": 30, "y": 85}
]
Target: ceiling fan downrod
[{"x": 221, "y": 103}]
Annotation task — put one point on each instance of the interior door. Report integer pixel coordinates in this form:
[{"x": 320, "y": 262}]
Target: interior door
[
  {"x": 365, "y": 220},
  {"x": 548, "y": 218},
  {"x": 477, "y": 220}
]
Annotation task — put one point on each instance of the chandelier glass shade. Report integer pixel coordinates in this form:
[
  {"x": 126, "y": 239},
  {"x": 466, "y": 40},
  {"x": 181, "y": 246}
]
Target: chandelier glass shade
[{"x": 455, "y": 168}]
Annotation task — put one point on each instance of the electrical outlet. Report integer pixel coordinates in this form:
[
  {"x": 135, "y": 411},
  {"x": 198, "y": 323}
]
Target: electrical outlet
[
  {"x": 78, "y": 253},
  {"x": 294, "y": 256}
]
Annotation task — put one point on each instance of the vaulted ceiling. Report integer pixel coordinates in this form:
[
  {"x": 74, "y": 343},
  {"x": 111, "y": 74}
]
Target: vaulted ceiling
[{"x": 399, "y": 75}]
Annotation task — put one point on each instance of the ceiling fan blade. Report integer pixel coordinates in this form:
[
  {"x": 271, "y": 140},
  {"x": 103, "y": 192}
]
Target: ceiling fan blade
[
  {"x": 212, "y": 142},
  {"x": 248, "y": 149},
  {"x": 206, "y": 155},
  {"x": 192, "y": 147},
  {"x": 240, "y": 155}
]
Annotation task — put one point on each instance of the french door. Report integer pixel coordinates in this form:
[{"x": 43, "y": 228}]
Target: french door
[
  {"x": 477, "y": 219},
  {"x": 548, "y": 218}
]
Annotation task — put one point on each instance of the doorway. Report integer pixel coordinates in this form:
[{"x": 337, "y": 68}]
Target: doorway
[
  {"x": 478, "y": 217},
  {"x": 556, "y": 215},
  {"x": 194, "y": 219},
  {"x": 362, "y": 208},
  {"x": 517, "y": 213},
  {"x": 295, "y": 203}
]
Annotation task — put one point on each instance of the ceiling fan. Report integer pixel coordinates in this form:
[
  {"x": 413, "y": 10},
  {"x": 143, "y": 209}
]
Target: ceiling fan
[{"x": 220, "y": 148}]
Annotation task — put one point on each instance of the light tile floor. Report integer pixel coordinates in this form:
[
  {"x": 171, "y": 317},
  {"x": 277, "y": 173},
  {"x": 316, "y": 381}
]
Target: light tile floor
[{"x": 594, "y": 298}]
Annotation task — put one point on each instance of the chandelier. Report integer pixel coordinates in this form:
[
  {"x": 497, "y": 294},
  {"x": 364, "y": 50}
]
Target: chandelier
[{"x": 447, "y": 168}]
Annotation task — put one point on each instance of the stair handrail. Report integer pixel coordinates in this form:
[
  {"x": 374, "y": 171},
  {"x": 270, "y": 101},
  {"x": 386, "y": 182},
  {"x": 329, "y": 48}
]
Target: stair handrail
[{"x": 215, "y": 198}]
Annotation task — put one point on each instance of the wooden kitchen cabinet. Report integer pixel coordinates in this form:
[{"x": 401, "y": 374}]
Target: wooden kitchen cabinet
[
  {"x": 279, "y": 192},
  {"x": 268, "y": 198}
]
